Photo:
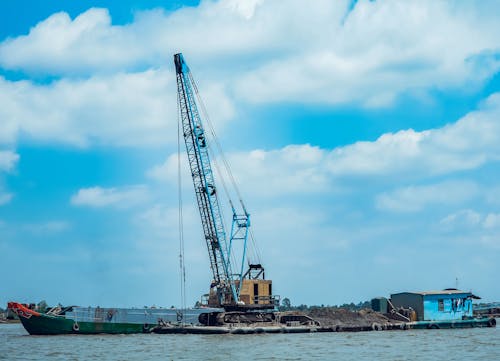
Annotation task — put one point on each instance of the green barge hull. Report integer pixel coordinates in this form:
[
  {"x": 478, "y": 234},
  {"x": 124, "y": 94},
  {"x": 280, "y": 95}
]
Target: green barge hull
[
  {"x": 58, "y": 325},
  {"x": 96, "y": 320}
]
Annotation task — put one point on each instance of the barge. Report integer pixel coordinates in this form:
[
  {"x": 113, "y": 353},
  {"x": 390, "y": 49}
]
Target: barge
[
  {"x": 96, "y": 320},
  {"x": 277, "y": 328}
]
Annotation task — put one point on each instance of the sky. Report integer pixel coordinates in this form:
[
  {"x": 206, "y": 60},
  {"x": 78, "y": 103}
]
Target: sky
[{"x": 364, "y": 137}]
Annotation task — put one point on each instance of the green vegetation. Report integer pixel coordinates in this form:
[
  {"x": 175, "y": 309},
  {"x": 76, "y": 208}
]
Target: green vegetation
[{"x": 287, "y": 306}]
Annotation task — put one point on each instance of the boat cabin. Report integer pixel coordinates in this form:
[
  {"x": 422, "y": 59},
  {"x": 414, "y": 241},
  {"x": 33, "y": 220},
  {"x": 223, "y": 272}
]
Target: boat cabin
[{"x": 445, "y": 305}]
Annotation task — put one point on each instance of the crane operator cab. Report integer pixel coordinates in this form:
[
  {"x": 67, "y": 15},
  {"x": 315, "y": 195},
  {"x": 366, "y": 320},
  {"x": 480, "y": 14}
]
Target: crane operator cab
[{"x": 255, "y": 292}]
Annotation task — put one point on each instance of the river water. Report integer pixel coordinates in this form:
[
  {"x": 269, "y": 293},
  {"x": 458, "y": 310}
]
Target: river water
[{"x": 455, "y": 344}]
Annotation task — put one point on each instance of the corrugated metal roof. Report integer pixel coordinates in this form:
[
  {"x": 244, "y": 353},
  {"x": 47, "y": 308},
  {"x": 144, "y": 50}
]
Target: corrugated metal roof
[{"x": 442, "y": 292}]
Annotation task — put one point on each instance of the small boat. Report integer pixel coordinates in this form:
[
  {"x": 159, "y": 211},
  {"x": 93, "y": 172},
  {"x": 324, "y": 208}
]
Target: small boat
[{"x": 96, "y": 320}]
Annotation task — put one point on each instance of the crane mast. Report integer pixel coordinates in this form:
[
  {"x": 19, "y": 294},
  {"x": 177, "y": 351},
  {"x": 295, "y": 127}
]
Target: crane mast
[{"x": 206, "y": 191}]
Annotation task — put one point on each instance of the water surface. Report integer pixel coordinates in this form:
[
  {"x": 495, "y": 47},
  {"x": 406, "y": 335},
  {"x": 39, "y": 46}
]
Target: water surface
[{"x": 456, "y": 344}]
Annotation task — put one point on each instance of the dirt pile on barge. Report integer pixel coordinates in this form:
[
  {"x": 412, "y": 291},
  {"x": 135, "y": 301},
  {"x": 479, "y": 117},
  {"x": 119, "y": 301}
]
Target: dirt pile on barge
[{"x": 344, "y": 319}]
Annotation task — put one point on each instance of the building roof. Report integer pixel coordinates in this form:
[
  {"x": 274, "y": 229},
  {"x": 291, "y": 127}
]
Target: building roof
[{"x": 448, "y": 291}]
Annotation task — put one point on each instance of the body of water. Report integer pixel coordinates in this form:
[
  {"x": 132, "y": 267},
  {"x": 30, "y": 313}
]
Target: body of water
[{"x": 456, "y": 344}]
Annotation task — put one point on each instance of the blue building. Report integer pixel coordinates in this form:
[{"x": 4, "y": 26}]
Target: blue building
[{"x": 446, "y": 305}]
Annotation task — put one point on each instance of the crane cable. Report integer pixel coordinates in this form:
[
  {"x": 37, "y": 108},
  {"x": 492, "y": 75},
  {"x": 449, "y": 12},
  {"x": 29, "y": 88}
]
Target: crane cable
[
  {"x": 227, "y": 167},
  {"x": 181, "y": 216},
  {"x": 217, "y": 143},
  {"x": 216, "y": 164}
]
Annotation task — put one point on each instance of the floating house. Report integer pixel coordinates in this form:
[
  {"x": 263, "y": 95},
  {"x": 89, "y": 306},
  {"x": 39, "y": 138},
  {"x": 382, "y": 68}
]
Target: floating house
[{"x": 446, "y": 305}]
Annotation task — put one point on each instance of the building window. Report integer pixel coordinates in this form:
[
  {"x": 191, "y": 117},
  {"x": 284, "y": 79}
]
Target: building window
[{"x": 440, "y": 305}]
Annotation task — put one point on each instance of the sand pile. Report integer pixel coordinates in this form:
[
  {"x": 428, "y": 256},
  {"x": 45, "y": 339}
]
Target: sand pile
[{"x": 329, "y": 317}]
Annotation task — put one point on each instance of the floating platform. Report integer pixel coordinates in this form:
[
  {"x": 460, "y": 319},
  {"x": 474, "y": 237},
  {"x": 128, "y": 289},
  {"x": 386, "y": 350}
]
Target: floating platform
[
  {"x": 236, "y": 330},
  {"x": 79, "y": 320},
  {"x": 280, "y": 328},
  {"x": 467, "y": 323}
]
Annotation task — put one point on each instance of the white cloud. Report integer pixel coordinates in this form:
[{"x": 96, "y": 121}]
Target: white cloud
[
  {"x": 467, "y": 144},
  {"x": 383, "y": 49},
  {"x": 167, "y": 171},
  {"x": 118, "y": 84},
  {"x": 124, "y": 109},
  {"x": 417, "y": 198},
  {"x": 313, "y": 52},
  {"x": 124, "y": 197},
  {"x": 5, "y": 197},
  {"x": 295, "y": 168},
  {"x": 491, "y": 221},
  {"x": 470, "y": 226},
  {"x": 463, "y": 218},
  {"x": 292, "y": 169},
  {"x": 472, "y": 219},
  {"x": 61, "y": 44},
  {"x": 8, "y": 159},
  {"x": 135, "y": 109}
]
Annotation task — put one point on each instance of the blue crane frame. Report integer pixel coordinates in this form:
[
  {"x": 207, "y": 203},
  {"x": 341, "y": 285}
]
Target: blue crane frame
[{"x": 228, "y": 289}]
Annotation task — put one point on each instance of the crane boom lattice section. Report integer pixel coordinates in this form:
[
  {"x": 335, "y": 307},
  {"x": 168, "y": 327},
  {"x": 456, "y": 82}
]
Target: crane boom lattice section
[{"x": 204, "y": 185}]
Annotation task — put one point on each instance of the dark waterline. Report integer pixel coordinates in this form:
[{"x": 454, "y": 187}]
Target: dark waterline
[{"x": 463, "y": 344}]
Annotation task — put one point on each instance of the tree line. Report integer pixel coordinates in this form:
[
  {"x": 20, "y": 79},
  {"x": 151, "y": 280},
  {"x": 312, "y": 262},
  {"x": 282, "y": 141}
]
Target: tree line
[{"x": 286, "y": 305}]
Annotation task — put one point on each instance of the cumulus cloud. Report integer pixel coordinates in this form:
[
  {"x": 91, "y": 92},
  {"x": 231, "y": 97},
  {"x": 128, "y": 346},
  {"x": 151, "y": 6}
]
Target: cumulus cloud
[
  {"x": 416, "y": 198},
  {"x": 117, "y": 87},
  {"x": 293, "y": 168},
  {"x": 62, "y": 44},
  {"x": 124, "y": 197},
  {"x": 471, "y": 226},
  {"x": 492, "y": 221},
  {"x": 135, "y": 109},
  {"x": 469, "y": 143},
  {"x": 464, "y": 218},
  {"x": 380, "y": 50},
  {"x": 8, "y": 159},
  {"x": 319, "y": 51},
  {"x": 5, "y": 197},
  {"x": 408, "y": 155},
  {"x": 167, "y": 171}
]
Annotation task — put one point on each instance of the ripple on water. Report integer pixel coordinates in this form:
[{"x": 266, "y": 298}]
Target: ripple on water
[{"x": 391, "y": 345}]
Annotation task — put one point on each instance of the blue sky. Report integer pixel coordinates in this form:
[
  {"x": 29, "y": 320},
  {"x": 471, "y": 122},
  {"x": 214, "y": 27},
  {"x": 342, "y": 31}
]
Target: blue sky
[{"x": 365, "y": 137}]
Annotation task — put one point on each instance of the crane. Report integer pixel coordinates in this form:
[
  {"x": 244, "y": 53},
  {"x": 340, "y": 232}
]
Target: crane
[{"x": 229, "y": 290}]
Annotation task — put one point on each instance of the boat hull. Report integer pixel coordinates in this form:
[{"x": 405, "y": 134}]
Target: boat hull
[
  {"x": 53, "y": 325},
  {"x": 90, "y": 320}
]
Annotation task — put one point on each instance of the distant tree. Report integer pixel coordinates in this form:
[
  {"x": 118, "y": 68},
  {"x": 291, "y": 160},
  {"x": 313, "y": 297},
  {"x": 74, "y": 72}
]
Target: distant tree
[
  {"x": 302, "y": 307},
  {"x": 366, "y": 304},
  {"x": 286, "y": 304}
]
